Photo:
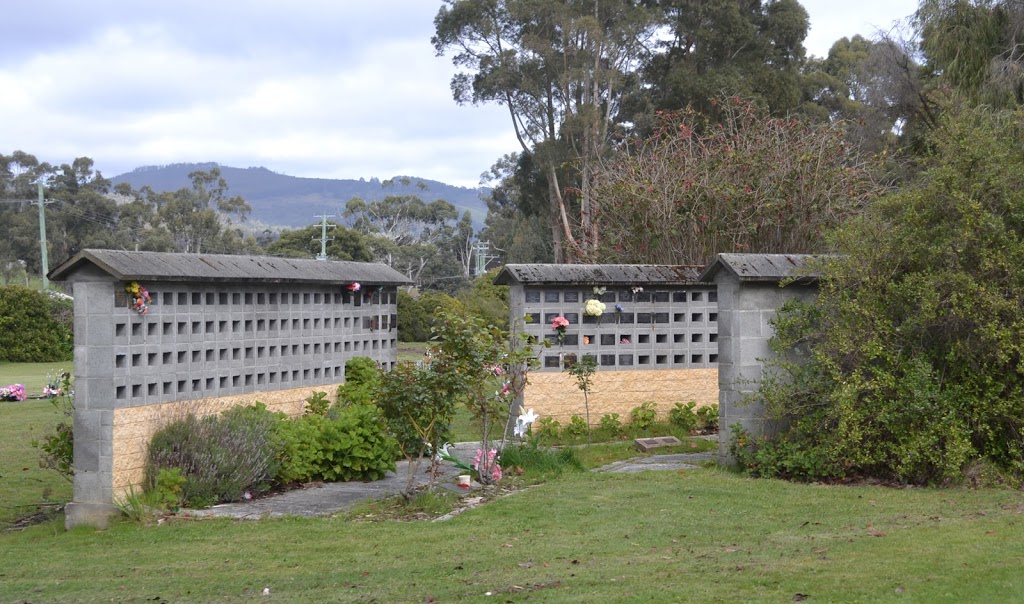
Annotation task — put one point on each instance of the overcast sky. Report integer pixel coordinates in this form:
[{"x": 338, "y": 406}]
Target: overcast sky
[{"x": 320, "y": 88}]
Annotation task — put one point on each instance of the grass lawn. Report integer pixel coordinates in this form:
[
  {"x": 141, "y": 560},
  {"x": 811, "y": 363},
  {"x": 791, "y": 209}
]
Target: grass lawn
[
  {"x": 703, "y": 535},
  {"x": 412, "y": 351},
  {"x": 25, "y": 488},
  {"x": 699, "y": 535}
]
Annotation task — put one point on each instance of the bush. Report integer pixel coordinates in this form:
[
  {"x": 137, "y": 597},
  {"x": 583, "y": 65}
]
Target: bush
[
  {"x": 547, "y": 429},
  {"x": 350, "y": 443},
  {"x": 644, "y": 416},
  {"x": 683, "y": 417},
  {"x": 576, "y": 428},
  {"x": 417, "y": 316},
  {"x": 222, "y": 457},
  {"x": 361, "y": 378},
  {"x": 908, "y": 367},
  {"x": 416, "y": 407},
  {"x": 707, "y": 417},
  {"x": 611, "y": 424},
  {"x": 35, "y": 327}
]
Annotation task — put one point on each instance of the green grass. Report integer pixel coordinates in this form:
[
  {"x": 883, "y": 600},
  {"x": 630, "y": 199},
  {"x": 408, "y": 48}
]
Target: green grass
[
  {"x": 699, "y": 536},
  {"x": 32, "y": 375},
  {"x": 412, "y": 351},
  {"x": 25, "y": 488}
]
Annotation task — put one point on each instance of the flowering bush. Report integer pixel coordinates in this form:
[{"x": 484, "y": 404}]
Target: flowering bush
[
  {"x": 140, "y": 297},
  {"x": 594, "y": 308},
  {"x": 14, "y": 392}
]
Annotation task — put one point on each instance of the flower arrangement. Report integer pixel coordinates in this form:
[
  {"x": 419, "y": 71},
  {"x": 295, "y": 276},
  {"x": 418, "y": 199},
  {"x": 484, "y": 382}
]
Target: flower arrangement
[
  {"x": 353, "y": 287},
  {"x": 14, "y": 392},
  {"x": 140, "y": 297},
  {"x": 488, "y": 465},
  {"x": 599, "y": 291},
  {"x": 636, "y": 289},
  {"x": 559, "y": 324}
]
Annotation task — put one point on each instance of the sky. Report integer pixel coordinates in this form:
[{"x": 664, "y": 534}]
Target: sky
[{"x": 317, "y": 88}]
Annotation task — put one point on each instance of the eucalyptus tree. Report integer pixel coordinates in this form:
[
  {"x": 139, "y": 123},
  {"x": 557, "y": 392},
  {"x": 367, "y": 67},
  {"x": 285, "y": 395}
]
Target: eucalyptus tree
[
  {"x": 560, "y": 68},
  {"x": 976, "y": 46}
]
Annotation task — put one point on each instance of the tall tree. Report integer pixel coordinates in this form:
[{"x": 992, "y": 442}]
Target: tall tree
[
  {"x": 750, "y": 48},
  {"x": 345, "y": 244},
  {"x": 196, "y": 216},
  {"x": 517, "y": 211},
  {"x": 976, "y": 46},
  {"x": 560, "y": 68}
]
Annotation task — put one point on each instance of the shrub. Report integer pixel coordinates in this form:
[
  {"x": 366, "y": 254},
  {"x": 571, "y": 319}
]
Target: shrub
[
  {"x": 707, "y": 417},
  {"x": 317, "y": 404},
  {"x": 683, "y": 416},
  {"x": 361, "y": 378},
  {"x": 417, "y": 409},
  {"x": 611, "y": 424},
  {"x": 58, "y": 447},
  {"x": 221, "y": 456},
  {"x": 349, "y": 443},
  {"x": 35, "y": 327},
  {"x": 908, "y": 366},
  {"x": 644, "y": 416},
  {"x": 576, "y": 428},
  {"x": 547, "y": 429}
]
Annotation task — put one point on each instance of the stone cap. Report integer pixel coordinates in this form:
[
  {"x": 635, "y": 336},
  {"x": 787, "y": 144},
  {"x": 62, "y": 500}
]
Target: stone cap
[
  {"x": 598, "y": 274},
  {"x": 765, "y": 267},
  {"x": 162, "y": 266}
]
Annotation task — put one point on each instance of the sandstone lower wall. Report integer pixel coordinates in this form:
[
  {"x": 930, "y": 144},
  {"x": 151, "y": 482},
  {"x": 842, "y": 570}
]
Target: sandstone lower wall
[
  {"x": 556, "y": 395},
  {"x": 135, "y": 426}
]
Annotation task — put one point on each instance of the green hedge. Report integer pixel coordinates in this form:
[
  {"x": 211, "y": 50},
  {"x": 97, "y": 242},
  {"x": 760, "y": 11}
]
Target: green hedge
[{"x": 35, "y": 327}]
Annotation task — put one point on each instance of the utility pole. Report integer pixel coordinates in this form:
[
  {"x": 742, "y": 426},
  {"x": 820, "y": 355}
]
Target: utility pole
[
  {"x": 42, "y": 236},
  {"x": 481, "y": 249},
  {"x": 322, "y": 256}
]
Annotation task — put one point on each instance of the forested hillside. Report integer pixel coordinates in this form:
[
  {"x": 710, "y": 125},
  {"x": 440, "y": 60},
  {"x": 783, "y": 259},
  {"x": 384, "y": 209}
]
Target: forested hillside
[{"x": 279, "y": 199}]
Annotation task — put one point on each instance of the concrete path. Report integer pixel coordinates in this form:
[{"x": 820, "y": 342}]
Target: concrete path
[{"x": 324, "y": 499}]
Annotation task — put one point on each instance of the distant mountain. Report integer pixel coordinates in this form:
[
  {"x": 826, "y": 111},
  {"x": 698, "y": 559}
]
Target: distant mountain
[{"x": 281, "y": 200}]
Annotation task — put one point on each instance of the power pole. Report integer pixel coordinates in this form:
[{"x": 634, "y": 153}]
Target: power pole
[
  {"x": 42, "y": 236},
  {"x": 481, "y": 249},
  {"x": 322, "y": 256}
]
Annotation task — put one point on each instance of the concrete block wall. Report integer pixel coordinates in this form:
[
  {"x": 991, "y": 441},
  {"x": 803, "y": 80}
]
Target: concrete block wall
[
  {"x": 205, "y": 341},
  {"x": 202, "y": 342},
  {"x": 745, "y": 312},
  {"x": 663, "y": 327}
]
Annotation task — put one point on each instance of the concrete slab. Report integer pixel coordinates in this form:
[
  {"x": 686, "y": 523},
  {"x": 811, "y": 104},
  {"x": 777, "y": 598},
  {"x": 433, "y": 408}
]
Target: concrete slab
[{"x": 646, "y": 444}]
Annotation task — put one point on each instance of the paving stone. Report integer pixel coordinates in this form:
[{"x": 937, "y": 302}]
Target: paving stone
[{"x": 646, "y": 444}]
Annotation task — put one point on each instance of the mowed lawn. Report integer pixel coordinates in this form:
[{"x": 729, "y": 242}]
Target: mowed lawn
[
  {"x": 25, "y": 488},
  {"x": 702, "y": 535},
  {"x": 699, "y": 535}
]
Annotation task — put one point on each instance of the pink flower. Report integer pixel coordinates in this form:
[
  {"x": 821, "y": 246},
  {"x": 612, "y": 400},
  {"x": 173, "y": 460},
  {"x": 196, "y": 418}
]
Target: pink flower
[
  {"x": 353, "y": 287},
  {"x": 559, "y": 322}
]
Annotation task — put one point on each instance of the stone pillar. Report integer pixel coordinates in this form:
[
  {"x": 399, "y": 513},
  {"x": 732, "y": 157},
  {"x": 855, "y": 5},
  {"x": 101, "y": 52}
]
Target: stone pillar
[
  {"x": 745, "y": 311},
  {"x": 92, "y": 502}
]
